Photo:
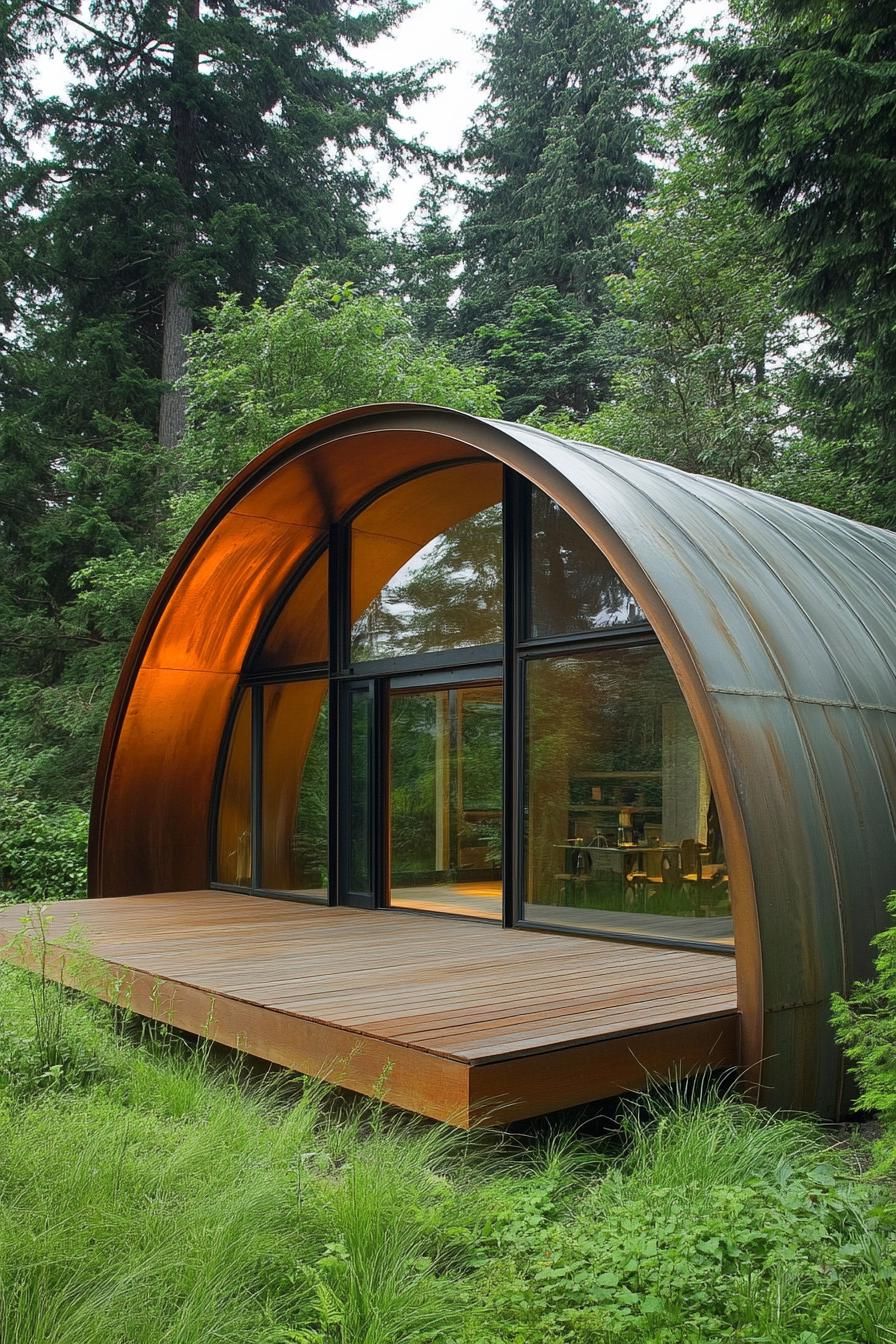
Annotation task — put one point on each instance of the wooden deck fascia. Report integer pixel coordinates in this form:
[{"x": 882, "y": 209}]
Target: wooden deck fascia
[{"x": 515, "y": 1083}]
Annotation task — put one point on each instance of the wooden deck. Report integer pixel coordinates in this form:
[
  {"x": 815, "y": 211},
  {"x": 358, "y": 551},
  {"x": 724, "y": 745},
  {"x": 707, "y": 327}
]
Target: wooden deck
[{"x": 459, "y": 1020}]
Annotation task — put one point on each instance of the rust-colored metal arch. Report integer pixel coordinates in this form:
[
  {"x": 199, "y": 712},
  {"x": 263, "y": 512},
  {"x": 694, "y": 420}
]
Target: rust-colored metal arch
[{"x": 777, "y": 619}]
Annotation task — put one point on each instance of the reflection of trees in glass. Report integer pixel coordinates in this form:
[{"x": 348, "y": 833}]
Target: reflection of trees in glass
[
  {"x": 448, "y": 595},
  {"x": 574, "y": 587},
  {"x": 482, "y": 785},
  {"x": 482, "y": 744},
  {"x": 446, "y": 785},
  {"x": 311, "y": 828},
  {"x": 413, "y": 783},
  {"x": 361, "y": 706},
  {"x": 377, "y": 633}
]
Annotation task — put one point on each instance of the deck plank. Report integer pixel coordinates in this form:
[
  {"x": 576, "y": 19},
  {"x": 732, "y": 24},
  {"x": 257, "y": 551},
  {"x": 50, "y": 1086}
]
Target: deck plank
[{"x": 437, "y": 1015}]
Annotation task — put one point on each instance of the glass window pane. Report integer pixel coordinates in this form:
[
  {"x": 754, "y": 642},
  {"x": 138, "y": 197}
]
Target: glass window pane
[
  {"x": 234, "y": 840},
  {"x": 446, "y": 800},
  {"x": 360, "y": 866},
  {"x": 621, "y": 830},
  {"x": 574, "y": 587},
  {"x": 427, "y": 567},
  {"x": 294, "y": 792},
  {"x": 300, "y": 633}
]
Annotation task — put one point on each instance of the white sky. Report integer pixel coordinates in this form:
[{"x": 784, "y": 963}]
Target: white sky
[{"x": 440, "y": 30}]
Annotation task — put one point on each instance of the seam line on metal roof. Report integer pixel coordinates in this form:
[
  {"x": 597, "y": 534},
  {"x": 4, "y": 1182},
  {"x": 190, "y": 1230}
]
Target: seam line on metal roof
[{"x": 802, "y": 699}]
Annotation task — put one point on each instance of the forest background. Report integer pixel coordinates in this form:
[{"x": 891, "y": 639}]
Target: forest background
[{"x": 679, "y": 244}]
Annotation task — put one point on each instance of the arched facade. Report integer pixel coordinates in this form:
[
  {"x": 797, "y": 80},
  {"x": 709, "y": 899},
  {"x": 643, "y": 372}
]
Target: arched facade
[{"x": 777, "y": 622}]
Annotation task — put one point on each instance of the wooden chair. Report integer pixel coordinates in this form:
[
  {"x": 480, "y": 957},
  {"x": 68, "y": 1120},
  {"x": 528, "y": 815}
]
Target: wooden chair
[
  {"x": 703, "y": 880},
  {"x": 671, "y": 866},
  {"x": 648, "y": 874},
  {"x": 691, "y": 866}
]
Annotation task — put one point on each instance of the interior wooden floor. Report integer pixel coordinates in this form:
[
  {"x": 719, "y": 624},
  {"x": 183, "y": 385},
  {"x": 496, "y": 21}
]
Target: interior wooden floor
[
  {"x": 478, "y": 900},
  {"x": 482, "y": 900},
  {"x": 462, "y": 1021}
]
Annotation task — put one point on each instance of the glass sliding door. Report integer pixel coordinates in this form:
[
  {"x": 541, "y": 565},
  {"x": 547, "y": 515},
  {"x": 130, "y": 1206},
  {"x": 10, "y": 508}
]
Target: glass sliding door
[{"x": 445, "y": 800}]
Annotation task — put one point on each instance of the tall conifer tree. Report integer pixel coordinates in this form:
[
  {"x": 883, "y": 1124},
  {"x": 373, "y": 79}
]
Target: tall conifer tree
[
  {"x": 200, "y": 148},
  {"x": 801, "y": 94},
  {"x": 558, "y": 151}
]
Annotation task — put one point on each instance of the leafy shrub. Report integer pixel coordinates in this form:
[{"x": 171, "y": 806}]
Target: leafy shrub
[
  {"x": 718, "y": 1222},
  {"x": 866, "y": 1028},
  {"x": 255, "y": 373},
  {"x": 43, "y": 853}
]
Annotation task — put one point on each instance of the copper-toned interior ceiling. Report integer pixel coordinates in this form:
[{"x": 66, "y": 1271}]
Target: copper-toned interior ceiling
[{"x": 156, "y": 837}]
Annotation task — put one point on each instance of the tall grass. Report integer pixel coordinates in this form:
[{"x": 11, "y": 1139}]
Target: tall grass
[
  {"x": 158, "y": 1200},
  {"x": 693, "y": 1136},
  {"x": 152, "y": 1194}
]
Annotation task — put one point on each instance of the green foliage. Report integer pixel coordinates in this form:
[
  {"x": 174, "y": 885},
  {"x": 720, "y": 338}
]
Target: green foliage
[
  {"x": 142, "y": 1182},
  {"x": 819, "y": 472},
  {"x": 703, "y": 388},
  {"x": 197, "y": 149},
  {"x": 710, "y": 358},
  {"x": 43, "y": 852},
  {"x": 559, "y": 153},
  {"x": 426, "y": 258},
  {"x": 718, "y": 1223},
  {"x": 210, "y": 148},
  {"x": 257, "y": 372},
  {"x": 546, "y": 352},
  {"x": 254, "y": 373},
  {"x": 159, "y": 1192},
  {"x": 45, "y": 1043},
  {"x": 866, "y": 1028},
  {"x": 800, "y": 97}
]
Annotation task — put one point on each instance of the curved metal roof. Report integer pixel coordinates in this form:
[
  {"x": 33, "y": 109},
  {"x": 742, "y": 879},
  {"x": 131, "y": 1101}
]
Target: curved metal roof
[{"x": 779, "y": 620}]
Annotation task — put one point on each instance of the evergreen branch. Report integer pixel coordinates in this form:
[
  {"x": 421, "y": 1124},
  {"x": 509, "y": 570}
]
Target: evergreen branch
[
  {"x": 61, "y": 637},
  {"x": 81, "y": 23}
]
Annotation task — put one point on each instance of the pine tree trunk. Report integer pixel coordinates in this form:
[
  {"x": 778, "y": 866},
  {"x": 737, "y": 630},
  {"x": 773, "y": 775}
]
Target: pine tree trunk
[
  {"x": 177, "y": 315},
  {"x": 177, "y": 323}
]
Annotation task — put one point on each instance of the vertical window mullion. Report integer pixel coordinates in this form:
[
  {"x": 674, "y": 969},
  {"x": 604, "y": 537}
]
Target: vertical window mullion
[
  {"x": 337, "y": 606},
  {"x": 257, "y": 693},
  {"x": 515, "y": 520}
]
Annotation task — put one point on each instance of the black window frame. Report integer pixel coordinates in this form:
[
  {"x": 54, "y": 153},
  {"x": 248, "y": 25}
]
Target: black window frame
[{"x": 457, "y": 666}]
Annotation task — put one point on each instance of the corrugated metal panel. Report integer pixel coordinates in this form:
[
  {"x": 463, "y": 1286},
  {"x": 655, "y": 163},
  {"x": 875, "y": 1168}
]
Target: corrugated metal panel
[
  {"x": 780, "y": 621},
  {"x": 790, "y": 615}
]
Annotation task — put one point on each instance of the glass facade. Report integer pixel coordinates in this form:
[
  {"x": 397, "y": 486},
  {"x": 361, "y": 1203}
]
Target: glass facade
[
  {"x": 360, "y": 718},
  {"x": 620, "y": 827},
  {"x": 574, "y": 589},
  {"x": 294, "y": 788},
  {"x": 233, "y": 856},
  {"x": 427, "y": 566},
  {"x": 445, "y": 800},
  {"x": 614, "y": 822}
]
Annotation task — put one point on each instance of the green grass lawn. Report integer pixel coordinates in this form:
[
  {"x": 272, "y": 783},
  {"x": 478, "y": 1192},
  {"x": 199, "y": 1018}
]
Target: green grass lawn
[{"x": 151, "y": 1195}]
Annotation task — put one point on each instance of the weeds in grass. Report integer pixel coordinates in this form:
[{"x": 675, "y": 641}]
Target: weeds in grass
[
  {"x": 167, "y": 1195},
  {"x": 39, "y": 1045}
]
